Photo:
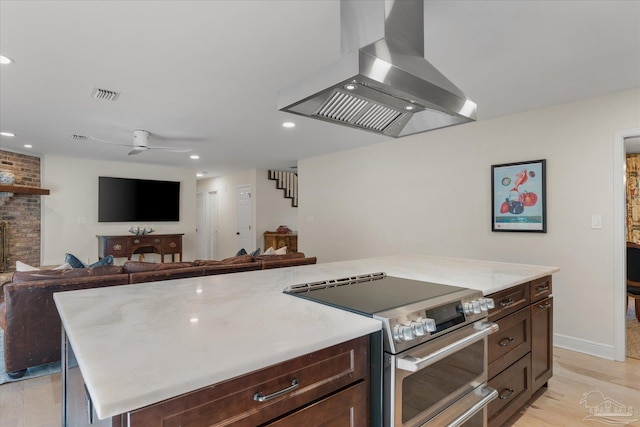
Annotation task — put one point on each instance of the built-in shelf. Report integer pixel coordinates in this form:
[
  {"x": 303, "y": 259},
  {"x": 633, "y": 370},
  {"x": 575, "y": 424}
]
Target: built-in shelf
[{"x": 21, "y": 189}]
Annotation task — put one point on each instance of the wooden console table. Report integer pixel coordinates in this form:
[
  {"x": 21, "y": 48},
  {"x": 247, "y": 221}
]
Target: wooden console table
[{"x": 125, "y": 246}]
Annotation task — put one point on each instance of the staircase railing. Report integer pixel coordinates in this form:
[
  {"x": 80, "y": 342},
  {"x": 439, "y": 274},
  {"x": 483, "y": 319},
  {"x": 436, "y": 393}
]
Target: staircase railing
[{"x": 287, "y": 181}]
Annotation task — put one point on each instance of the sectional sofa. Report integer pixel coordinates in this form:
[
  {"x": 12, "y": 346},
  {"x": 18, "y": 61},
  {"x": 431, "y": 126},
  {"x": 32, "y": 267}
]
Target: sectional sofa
[{"x": 29, "y": 318}]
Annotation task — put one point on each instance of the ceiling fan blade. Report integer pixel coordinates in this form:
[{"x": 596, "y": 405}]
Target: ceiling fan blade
[
  {"x": 171, "y": 149},
  {"x": 110, "y": 142},
  {"x": 137, "y": 150}
]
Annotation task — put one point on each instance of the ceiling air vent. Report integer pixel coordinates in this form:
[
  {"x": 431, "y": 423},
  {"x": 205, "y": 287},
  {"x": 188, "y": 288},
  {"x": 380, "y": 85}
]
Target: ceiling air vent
[
  {"x": 77, "y": 137},
  {"x": 104, "y": 94}
]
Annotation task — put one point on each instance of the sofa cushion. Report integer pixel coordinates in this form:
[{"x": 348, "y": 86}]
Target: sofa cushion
[
  {"x": 242, "y": 259},
  {"x": 30, "y": 276},
  {"x": 139, "y": 267},
  {"x": 292, "y": 255}
]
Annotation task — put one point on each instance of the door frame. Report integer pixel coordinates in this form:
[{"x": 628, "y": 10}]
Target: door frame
[{"x": 619, "y": 242}]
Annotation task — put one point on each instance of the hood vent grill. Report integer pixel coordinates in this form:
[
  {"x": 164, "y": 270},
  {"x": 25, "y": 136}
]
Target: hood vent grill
[
  {"x": 348, "y": 109},
  {"x": 104, "y": 94}
]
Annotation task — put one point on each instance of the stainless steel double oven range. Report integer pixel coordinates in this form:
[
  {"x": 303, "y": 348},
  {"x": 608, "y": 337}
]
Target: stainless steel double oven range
[{"x": 429, "y": 365}]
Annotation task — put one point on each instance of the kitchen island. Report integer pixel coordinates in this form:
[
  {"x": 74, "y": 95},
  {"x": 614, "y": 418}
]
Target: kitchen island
[{"x": 140, "y": 344}]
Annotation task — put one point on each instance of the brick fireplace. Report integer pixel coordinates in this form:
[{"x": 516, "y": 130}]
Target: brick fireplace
[{"x": 21, "y": 213}]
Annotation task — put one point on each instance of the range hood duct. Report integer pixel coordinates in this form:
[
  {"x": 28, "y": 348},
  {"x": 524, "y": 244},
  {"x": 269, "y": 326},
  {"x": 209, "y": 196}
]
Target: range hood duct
[{"x": 382, "y": 82}]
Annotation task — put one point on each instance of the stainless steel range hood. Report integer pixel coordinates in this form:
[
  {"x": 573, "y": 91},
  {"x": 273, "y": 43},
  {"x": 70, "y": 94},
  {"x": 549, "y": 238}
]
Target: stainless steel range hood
[{"x": 382, "y": 82}]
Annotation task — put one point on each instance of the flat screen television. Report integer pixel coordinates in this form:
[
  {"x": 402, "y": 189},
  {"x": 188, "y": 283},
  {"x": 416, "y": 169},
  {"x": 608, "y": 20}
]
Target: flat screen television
[{"x": 137, "y": 200}]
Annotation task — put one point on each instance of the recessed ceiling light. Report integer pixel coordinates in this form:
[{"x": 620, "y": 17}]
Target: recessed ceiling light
[
  {"x": 194, "y": 156},
  {"x": 350, "y": 86},
  {"x": 28, "y": 146},
  {"x": 7, "y": 134},
  {"x": 409, "y": 107},
  {"x": 288, "y": 125},
  {"x": 4, "y": 60}
]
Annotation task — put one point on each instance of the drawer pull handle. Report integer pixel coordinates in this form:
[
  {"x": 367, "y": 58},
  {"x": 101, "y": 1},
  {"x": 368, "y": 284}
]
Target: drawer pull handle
[
  {"x": 508, "y": 395},
  {"x": 545, "y": 305},
  {"x": 542, "y": 288},
  {"x": 505, "y": 342},
  {"x": 172, "y": 245},
  {"x": 136, "y": 241},
  {"x": 260, "y": 398},
  {"x": 506, "y": 303},
  {"x": 117, "y": 247}
]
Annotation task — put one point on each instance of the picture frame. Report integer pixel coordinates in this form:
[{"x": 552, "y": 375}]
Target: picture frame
[{"x": 519, "y": 197}]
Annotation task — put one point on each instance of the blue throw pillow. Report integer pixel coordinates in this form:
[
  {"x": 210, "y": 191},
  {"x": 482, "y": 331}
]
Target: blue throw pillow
[
  {"x": 241, "y": 252},
  {"x": 256, "y": 252},
  {"x": 108, "y": 260},
  {"x": 73, "y": 261}
]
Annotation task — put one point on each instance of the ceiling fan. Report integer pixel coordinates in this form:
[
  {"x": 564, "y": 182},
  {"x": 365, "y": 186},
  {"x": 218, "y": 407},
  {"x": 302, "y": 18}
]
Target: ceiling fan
[{"x": 141, "y": 143}]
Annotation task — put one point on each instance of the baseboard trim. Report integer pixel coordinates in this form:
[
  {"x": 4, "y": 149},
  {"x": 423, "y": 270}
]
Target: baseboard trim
[{"x": 583, "y": 346}]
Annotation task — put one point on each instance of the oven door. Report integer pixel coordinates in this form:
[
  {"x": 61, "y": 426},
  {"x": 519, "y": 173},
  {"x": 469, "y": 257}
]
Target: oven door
[{"x": 447, "y": 372}]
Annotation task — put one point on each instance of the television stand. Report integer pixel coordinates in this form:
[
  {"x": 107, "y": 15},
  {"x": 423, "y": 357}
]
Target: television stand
[{"x": 125, "y": 246}]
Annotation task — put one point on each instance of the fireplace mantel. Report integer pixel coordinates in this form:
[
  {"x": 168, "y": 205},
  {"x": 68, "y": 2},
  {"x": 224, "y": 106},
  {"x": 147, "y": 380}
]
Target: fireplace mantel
[{"x": 21, "y": 189}]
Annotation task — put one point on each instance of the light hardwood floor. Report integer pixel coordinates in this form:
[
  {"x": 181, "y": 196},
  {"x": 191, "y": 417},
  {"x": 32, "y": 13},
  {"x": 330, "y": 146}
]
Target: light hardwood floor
[{"x": 36, "y": 402}]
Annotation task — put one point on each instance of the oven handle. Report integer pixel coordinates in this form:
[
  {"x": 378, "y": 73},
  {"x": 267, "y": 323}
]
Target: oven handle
[
  {"x": 491, "y": 394},
  {"x": 414, "y": 364}
]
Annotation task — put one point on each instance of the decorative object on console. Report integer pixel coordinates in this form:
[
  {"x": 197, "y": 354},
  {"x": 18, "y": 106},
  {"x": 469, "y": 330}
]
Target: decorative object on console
[
  {"x": 75, "y": 262},
  {"x": 283, "y": 229},
  {"x": 140, "y": 232}
]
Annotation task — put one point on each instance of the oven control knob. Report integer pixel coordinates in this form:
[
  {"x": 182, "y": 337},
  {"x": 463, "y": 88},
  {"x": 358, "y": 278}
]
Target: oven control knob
[
  {"x": 476, "y": 307},
  {"x": 429, "y": 325},
  {"x": 418, "y": 328},
  {"x": 402, "y": 333},
  {"x": 468, "y": 308}
]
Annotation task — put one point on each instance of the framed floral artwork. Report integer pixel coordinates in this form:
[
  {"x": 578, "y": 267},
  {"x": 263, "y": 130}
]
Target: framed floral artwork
[{"x": 518, "y": 197}]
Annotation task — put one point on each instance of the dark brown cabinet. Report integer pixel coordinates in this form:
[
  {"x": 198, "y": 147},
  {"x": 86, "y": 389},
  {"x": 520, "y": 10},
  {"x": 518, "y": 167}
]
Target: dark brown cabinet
[
  {"x": 125, "y": 246},
  {"x": 541, "y": 343},
  {"x": 325, "y": 387},
  {"x": 520, "y": 354}
]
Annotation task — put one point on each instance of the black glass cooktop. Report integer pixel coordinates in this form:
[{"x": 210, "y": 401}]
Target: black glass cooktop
[{"x": 370, "y": 297}]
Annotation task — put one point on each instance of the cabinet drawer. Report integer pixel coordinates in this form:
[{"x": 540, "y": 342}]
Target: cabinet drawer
[
  {"x": 171, "y": 245},
  {"x": 234, "y": 401},
  {"x": 511, "y": 342},
  {"x": 509, "y": 301},
  {"x": 540, "y": 289},
  {"x": 146, "y": 240},
  {"x": 349, "y": 407},
  {"x": 513, "y": 384},
  {"x": 116, "y": 246}
]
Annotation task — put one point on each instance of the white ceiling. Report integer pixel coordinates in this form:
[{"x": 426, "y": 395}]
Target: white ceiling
[{"x": 205, "y": 74}]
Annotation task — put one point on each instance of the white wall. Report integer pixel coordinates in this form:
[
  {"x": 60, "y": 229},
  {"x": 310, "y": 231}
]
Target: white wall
[
  {"x": 70, "y": 212},
  {"x": 431, "y": 194},
  {"x": 226, "y": 188},
  {"x": 270, "y": 208},
  {"x": 273, "y": 209}
]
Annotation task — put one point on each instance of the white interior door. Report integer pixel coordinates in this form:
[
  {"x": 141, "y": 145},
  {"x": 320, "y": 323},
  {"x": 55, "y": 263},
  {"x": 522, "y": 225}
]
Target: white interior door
[
  {"x": 201, "y": 228},
  {"x": 213, "y": 225},
  {"x": 245, "y": 215}
]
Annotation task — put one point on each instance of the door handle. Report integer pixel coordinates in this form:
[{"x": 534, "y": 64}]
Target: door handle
[
  {"x": 238, "y": 233},
  {"x": 412, "y": 364}
]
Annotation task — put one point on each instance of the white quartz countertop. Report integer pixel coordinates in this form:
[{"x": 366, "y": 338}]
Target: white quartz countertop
[{"x": 143, "y": 343}]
